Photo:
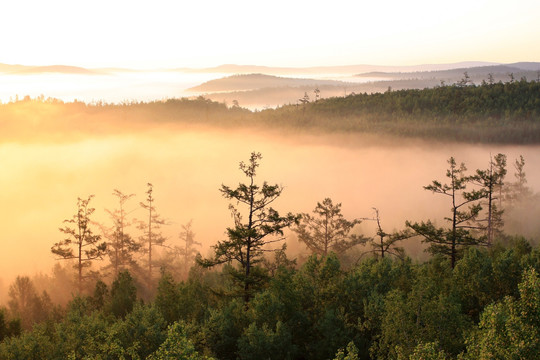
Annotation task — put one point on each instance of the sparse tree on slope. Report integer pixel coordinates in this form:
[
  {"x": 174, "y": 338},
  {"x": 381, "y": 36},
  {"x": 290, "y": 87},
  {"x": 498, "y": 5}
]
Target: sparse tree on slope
[
  {"x": 386, "y": 243},
  {"x": 80, "y": 244},
  {"x": 26, "y": 304},
  {"x": 188, "y": 251},
  {"x": 122, "y": 247},
  {"x": 152, "y": 236},
  {"x": 249, "y": 236},
  {"x": 327, "y": 230},
  {"x": 465, "y": 208},
  {"x": 491, "y": 181}
]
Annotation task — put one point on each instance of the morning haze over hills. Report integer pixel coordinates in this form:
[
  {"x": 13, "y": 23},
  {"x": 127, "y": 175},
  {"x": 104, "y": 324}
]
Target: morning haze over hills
[
  {"x": 243, "y": 180},
  {"x": 256, "y": 87},
  {"x": 157, "y": 288},
  {"x": 246, "y": 69}
]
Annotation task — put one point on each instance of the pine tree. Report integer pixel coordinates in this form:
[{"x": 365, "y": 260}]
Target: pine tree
[
  {"x": 386, "y": 243},
  {"x": 464, "y": 211},
  {"x": 491, "y": 182},
  {"x": 122, "y": 247},
  {"x": 247, "y": 239},
  {"x": 81, "y": 244},
  {"x": 152, "y": 235},
  {"x": 327, "y": 230}
]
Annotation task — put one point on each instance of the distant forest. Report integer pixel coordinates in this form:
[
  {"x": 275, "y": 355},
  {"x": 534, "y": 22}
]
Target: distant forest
[{"x": 494, "y": 112}]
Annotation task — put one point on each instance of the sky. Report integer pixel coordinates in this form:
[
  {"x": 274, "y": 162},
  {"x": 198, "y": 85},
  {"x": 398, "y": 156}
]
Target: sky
[{"x": 174, "y": 33}]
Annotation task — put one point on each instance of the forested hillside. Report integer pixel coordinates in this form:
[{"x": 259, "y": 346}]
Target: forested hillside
[
  {"x": 489, "y": 113},
  {"x": 357, "y": 296},
  {"x": 507, "y": 113}
]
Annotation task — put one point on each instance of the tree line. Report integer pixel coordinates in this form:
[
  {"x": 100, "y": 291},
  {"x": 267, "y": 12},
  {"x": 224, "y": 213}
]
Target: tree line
[
  {"x": 491, "y": 112},
  {"x": 477, "y": 297}
]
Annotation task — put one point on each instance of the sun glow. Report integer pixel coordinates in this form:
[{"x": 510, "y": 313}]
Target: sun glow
[{"x": 300, "y": 33}]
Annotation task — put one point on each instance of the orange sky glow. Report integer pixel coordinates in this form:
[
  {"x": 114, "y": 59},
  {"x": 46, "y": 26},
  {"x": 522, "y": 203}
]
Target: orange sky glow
[{"x": 167, "y": 33}]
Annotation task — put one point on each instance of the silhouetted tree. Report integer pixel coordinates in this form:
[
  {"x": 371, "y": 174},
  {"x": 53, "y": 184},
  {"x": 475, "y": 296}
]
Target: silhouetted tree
[
  {"x": 317, "y": 94},
  {"x": 121, "y": 246},
  {"x": 152, "y": 236},
  {"x": 248, "y": 237},
  {"x": 511, "y": 77},
  {"x": 26, "y": 304},
  {"x": 464, "y": 211},
  {"x": 518, "y": 190},
  {"x": 188, "y": 251},
  {"x": 304, "y": 100},
  {"x": 465, "y": 80},
  {"x": 491, "y": 182},
  {"x": 80, "y": 244},
  {"x": 327, "y": 230},
  {"x": 491, "y": 80},
  {"x": 385, "y": 243}
]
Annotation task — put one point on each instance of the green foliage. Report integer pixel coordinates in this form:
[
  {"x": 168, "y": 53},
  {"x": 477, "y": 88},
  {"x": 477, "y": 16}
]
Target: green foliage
[
  {"x": 123, "y": 295},
  {"x": 223, "y": 329},
  {"x": 426, "y": 351},
  {"x": 363, "y": 293},
  {"x": 427, "y": 313},
  {"x": 176, "y": 346},
  {"x": 280, "y": 302},
  {"x": 100, "y": 296},
  {"x": 168, "y": 298},
  {"x": 319, "y": 283},
  {"x": 351, "y": 353},
  {"x": 264, "y": 343},
  {"x": 87, "y": 334},
  {"x": 473, "y": 281},
  {"x": 82, "y": 333},
  {"x": 510, "y": 329},
  {"x": 34, "y": 345},
  {"x": 8, "y": 327},
  {"x": 143, "y": 330}
]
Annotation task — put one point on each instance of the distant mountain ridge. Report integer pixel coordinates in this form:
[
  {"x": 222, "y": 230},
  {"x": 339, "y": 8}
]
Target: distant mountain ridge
[
  {"x": 344, "y": 69},
  {"x": 270, "y": 70},
  {"x": 62, "y": 69},
  {"x": 8, "y": 68},
  {"x": 260, "y": 91},
  {"x": 245, "y": 82},
  {"x": 472, "y": 71}
]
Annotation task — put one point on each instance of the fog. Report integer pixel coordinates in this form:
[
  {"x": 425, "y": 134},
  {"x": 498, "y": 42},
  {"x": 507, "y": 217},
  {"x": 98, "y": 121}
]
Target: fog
[
  {"x": 41, "y": 181},
  {"x": 107, "y": 86}
]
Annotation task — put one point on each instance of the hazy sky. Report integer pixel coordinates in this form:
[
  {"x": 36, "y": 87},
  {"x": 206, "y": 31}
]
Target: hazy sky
[{"x": 174, "y": 33}]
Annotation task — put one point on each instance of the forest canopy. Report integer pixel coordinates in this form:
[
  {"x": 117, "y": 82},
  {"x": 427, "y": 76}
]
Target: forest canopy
[{"x": 479, "y": 300}]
